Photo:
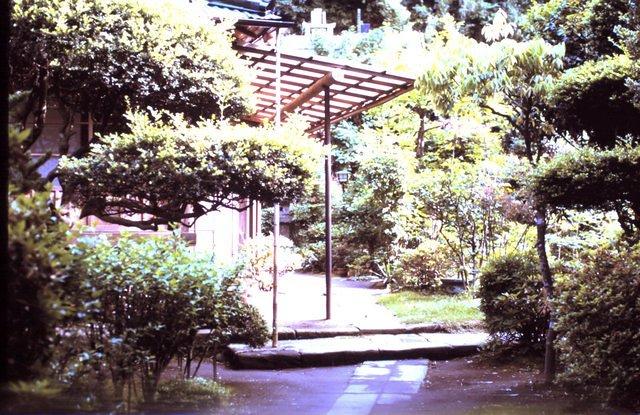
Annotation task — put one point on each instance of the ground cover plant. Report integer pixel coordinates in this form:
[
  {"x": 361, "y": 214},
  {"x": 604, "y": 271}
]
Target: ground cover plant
[{"x": 415, "y": 307}]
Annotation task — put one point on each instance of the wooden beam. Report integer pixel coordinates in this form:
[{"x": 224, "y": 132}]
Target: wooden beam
[
  {"x": 364, "y": 108},
  {"x": 314, "y": 89}
]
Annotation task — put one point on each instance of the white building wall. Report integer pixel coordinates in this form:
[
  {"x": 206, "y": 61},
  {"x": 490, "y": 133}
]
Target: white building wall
[{"x": 217, "y": 233}]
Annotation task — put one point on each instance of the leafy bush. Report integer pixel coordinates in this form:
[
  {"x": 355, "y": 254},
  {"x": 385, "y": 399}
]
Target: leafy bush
[
  {"x": 594, "y": 99},
  {"x": 512, "y": 300},
  {"x": 423, "y": 267},
  {"x": 153, "y": 297},
  {"x": 256, "y": 260},
  {"x": 599, "y": 325},
  {"x": 372, "y": 214},
  {"x": 39, "y": 261}
]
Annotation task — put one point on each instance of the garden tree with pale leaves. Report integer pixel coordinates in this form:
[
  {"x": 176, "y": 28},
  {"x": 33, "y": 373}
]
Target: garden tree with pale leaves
[
  {"x": 466, "y": 203},
  {"x": 170, "y": 171},
  {"x": 513, "y": 81},
  {"x": 101, "y": 57}
]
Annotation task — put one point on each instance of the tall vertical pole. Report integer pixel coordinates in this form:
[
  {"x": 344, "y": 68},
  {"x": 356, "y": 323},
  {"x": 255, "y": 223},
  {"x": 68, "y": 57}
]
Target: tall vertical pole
[
  {"x": 328, "y": 265},
  {"x": 276, "y": 206}
]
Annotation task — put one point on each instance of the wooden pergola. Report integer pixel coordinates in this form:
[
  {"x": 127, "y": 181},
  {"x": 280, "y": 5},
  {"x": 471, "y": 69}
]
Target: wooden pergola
[
  {"x": 352, "y": 88},
  {"x": 325, "y": 91}
]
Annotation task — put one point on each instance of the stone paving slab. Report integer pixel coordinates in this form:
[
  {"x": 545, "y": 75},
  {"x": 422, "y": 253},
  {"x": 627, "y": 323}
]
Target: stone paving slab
[{"x": 345, "y": 350}]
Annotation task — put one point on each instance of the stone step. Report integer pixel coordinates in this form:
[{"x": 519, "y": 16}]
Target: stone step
[
  {"x": 344, "y": 350},
  {"x": 317, "y": 330}
]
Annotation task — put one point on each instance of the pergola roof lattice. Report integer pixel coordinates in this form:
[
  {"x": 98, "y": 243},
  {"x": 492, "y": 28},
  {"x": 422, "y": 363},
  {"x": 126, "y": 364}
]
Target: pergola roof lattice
[{"x": 356, "y": 89}]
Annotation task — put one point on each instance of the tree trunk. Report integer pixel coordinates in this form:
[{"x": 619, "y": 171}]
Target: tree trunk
[
  {"x": 547, "y": 279},
  {"x": 420, "y": 136}
]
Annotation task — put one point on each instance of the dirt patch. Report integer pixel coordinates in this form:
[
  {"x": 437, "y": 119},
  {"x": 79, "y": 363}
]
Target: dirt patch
[{"x": 475, "y": 385}]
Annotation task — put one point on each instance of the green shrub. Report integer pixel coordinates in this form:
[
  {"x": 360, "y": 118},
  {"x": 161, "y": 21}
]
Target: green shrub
[
  {"x": 512, "y": 300},
  {"x": 152, "y": 296},
  {"x": 39, "y": 262},
  {"x": 599, "y": 325},
  {"x": 423, "y": 267}
]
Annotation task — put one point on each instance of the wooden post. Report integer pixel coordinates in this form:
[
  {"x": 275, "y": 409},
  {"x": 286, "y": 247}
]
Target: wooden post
[
  {"x": 276, "y": 206},
  {"x": 276, "y": 233},
  {"x": 327, "y": 198}
]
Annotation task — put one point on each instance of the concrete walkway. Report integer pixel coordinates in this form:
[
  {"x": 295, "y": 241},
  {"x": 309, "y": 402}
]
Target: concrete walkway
[
  {"x": 360, "y": 329},
  {"x": 455, "y": 387},
  {"x": 301, "y": 304}
]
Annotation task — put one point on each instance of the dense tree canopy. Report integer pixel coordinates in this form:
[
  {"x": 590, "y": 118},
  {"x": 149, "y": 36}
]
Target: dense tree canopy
[
  {"x": 594, "y": 179},
  {"x": 594, "y": 99},
  {"x": 171, "y": 171},
  {"x": 589, "y": 29},
  {"x": 100, "y": 56}
]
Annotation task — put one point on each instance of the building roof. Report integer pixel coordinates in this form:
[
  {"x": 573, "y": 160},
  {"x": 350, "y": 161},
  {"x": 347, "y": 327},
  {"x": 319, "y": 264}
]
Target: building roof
[
  {"x": 254, "y": 19},
  {"x": 359, "y": 88},
  {"x": 253, "y": 12}
]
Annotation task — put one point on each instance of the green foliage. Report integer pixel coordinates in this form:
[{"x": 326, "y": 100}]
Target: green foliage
[
  {"x": 512, "y": 301},
  {"x": 599, "y": 325},
  {"x": 467, "y": 202},
  {"x": 594, "y": 179},
  {"x": 171, "y": 171},
  {"x": 23, "y": 173},
  {"x": 424, "y": 267},
  {"x": 587, "y": 28},
  {"x": 630, "y": 34},
  {"x": 196, "y": 390},
  {"x": 510, "y": 79},
  {"x": 373, "y": 207},
  {"x": 40, "y": 261},
  {"x": 350, "y": 46},
  {"x": 594, "y": 99},
  {"x": 472, "y": 15},
  {"x": 152, "y": 297},
  {"x": 100, "y": 56}
]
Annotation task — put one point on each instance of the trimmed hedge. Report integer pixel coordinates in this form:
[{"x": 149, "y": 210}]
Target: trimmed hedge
[
  {"x": 599, "y": 326},
  {"x": 512, "y": 300}
]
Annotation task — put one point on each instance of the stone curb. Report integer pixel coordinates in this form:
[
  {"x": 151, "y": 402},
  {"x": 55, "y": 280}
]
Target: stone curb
[
  {"x": 302, "y": 333},
  {"x": 306, "y": 333},
  {"x": 346, "y": 350}
]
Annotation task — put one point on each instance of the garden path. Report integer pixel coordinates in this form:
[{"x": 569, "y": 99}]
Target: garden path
[
  {"x": 454, "y": 387},
  {"x": 301, "y": 303}
]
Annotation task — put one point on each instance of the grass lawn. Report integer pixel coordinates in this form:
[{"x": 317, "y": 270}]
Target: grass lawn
[{"x": 413, "y": 307}]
